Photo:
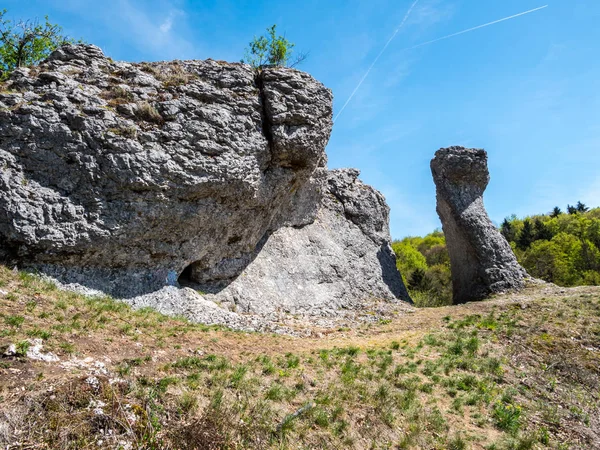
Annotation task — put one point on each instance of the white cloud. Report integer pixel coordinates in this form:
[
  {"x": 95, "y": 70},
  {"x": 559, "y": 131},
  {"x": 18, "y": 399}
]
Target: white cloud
[
  {"x": 165, "y": 27},
  {"x": 156, "y": 29},
  {"x": 431, "y": 12},
  {"x": 152, "y": 33}
]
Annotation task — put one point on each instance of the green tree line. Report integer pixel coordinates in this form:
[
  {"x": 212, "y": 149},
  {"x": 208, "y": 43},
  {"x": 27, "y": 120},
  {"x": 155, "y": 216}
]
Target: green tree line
[
  {"x": 425, "y": 267},
  {"x": 562, "y": 248}
]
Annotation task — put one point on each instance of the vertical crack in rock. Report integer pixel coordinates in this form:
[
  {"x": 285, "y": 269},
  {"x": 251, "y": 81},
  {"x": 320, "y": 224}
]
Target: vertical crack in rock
[
  {"x": 265, "y": 120},
  {"x": 299, "y": 113},
  {"x": 482, "y": 262}
]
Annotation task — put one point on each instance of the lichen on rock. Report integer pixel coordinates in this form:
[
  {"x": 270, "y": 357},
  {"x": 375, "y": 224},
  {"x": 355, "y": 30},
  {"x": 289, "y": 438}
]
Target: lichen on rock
[{"x": 482, "y": 262}]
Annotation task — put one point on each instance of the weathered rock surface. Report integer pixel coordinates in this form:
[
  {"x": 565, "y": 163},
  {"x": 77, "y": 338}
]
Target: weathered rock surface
[
  {"x": 337, "y": 262},
  {"x": 122, "y": 177},
  {"x": 482, "y": 262},
  {"x": 148, "y": 168}
]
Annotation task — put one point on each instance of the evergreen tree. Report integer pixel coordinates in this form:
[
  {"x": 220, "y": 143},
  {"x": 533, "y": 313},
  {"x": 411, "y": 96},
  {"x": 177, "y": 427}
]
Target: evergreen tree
[
  {"x": 571, "y": 209},
  {"x": 541, "y": 231},
  {"x": 581, "y": 207},
  {"x": 507, "y": 230},
  {"x": 417, "y": 281},
  {"x": 526, "y": 237},
  {"x": 555, "y": 212}
]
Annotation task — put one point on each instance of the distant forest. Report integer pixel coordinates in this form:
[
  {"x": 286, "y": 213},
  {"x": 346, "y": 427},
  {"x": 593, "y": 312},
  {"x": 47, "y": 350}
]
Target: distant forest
[{"x": 559, "y": 247}]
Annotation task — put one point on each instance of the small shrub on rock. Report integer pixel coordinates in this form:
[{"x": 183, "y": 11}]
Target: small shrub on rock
[
  {"x": 272, "y": 50},
  {"x": 145, "y": 111},
  {"x": 118, "y": 95},
  {"x": 27, "y": 42}
]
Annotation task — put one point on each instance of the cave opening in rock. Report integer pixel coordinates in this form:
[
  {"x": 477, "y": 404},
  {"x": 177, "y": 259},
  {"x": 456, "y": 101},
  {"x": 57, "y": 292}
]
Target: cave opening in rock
[{"x": 185, "y": 278}]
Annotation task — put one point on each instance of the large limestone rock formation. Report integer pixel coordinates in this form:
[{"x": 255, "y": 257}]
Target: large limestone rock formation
[
  {"x": 127, "y": 177},
  {"x": 481, "y": 259},
  {"x": 334, "y": 263}
]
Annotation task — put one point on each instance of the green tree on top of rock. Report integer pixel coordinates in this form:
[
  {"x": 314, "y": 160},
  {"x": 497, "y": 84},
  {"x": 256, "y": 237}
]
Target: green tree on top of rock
[
  {"x": 272, "y": 50},
  {"x": 24, "y": 43}
]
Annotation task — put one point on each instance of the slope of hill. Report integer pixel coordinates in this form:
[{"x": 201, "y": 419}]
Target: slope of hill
[{"x": 517, "y": 372}]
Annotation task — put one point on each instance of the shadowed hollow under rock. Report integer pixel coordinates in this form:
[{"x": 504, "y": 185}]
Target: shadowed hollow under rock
[{"x": 482, "y": 262}]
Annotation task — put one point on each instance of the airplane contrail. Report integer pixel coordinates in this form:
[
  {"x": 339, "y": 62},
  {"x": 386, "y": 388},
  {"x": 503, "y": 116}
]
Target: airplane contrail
[
  {"x": 428, "y": 43},
  {"x": 476, "y": 28},
  {"x": 377, "y": 58}
]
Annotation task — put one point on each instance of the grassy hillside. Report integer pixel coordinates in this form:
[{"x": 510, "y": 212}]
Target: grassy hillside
[{"x": 517, "y": 372}]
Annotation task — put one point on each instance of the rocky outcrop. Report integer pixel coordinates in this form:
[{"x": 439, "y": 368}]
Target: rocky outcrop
[
  {"x": 128, "y": 177},
  {"x": 335, "y": 263},
  {"x": 132, "y": 172},
  {"x": 482, "y": 262}
]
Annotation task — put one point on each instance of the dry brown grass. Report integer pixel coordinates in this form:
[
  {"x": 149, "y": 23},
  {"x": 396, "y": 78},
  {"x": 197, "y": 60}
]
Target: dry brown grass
[
  {"x": 172, "y": 74},
  {"x": 127, "y": 132},
  {"x": 118, "y": 95},
  {"x": 145, "y": 111}
]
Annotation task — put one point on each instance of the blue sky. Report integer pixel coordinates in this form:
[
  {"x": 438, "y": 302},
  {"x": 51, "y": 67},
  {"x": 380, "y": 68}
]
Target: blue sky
[{"x": 526, "y": 90}]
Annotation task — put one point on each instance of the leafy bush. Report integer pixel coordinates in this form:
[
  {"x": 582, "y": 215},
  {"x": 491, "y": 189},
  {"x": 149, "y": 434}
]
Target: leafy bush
[
  {"x": 271, "y": 50},
  {"x": 425, "y": 265},
  {"x": 25, "y": 43},
  {"x": 507, "y": 416}
]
